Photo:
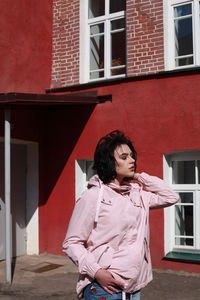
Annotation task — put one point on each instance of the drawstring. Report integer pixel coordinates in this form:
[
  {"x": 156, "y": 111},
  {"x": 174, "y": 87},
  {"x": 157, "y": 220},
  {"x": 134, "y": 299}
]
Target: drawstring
[
  {"x": 123, "y": 295},
  {"x": 100, "y": 196}
]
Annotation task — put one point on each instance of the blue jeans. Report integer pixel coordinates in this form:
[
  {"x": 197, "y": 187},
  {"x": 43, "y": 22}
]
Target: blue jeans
[{"x": 94, "y": 291}]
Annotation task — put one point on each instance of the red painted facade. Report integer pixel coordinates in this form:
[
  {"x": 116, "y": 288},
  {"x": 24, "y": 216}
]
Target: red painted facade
[
  {"x": 160, "y": 114},
  {"x": 25, "y": 58}
]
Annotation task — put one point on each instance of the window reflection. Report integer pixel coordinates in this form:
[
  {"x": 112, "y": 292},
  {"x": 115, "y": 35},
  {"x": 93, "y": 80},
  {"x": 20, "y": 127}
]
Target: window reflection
[
  {"x": 96, "y": 8},
  {"x": 183, "y": 172},
  {"x": 183, "y": 35},
  {"x": 97, "y": 51},
  {"x": 184, "y": 219},
  {"x": 117, "y": 5}
]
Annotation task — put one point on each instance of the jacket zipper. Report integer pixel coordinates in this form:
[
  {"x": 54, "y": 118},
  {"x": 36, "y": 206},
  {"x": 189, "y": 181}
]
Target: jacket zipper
[{"x": 103, "y": 253}]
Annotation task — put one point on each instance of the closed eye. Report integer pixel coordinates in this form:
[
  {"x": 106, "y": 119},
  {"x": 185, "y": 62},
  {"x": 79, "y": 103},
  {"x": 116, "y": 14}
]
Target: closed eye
[{"x": 124, "y": 157}]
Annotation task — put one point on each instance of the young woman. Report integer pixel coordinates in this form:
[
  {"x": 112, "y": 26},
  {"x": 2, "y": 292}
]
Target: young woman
[{"x": 108, "y": 234}]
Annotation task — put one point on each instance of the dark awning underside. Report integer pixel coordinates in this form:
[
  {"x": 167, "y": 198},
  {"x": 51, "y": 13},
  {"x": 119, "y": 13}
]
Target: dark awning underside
[{"x": 27, "y": 99}]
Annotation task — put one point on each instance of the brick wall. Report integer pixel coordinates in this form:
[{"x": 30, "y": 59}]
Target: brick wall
[
  {"x": 145, "y": 48},
  {"x": 145, "y": 51},
  {"x": 65, "y": 44}
]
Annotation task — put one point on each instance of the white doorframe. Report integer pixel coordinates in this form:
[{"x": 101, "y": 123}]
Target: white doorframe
[
  {"x": 32, "y": 198},
  {"x": 32, "y": 194}
]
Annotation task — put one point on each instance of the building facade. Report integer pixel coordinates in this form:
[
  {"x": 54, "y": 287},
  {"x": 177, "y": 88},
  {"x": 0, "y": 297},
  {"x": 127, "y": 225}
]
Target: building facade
[{"x": 143, "y": 55}]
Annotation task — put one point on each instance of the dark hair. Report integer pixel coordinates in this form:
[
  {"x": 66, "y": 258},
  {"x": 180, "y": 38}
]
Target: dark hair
[{"x": 104, "y": 161}]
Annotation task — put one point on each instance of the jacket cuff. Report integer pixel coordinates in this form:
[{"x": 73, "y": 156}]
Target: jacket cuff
[
  {"x": 143, "y": 178},
  {"x": 92, "y": 269}
]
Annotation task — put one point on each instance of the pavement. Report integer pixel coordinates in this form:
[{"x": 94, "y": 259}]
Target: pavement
[{"x": 54, "y": 277}]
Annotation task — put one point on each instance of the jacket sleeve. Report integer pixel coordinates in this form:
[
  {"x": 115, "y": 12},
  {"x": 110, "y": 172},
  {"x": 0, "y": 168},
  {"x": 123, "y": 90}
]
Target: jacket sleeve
[
  {"x": 79, "y": 229},
  {"x": 161, "y": 195}
]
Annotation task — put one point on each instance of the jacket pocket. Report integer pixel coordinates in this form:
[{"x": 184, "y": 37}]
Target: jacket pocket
[
  {"x": 127, "y": 262},
  {"x": 104, "y": 255}
]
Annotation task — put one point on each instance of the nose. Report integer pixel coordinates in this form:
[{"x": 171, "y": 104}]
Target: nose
[{"x": 132, "y": 159}]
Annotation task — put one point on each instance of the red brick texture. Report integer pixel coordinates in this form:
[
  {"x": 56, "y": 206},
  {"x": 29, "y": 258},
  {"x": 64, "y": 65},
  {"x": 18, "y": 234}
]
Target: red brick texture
[
  {"x": 145, "y": 49},
  {"x": 65, "y": 48}
]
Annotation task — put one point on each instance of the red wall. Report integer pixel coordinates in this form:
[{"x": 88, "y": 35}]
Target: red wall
[
  {"x": 25, "y": 45},
  {"x": 160, "y": 115}
]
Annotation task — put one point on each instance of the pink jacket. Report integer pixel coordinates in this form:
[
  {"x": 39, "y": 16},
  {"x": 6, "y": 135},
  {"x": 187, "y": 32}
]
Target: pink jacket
[{"x": 109, "y": 228}]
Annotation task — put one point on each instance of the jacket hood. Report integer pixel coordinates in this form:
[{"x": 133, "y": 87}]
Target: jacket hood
[
  {"x": 95, "y": 181},
  {"x": 124, "y": 188},
  {"x": 132, "y": 189}
]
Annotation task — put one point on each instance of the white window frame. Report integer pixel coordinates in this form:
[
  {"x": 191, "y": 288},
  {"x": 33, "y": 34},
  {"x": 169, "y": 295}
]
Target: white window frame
[
  {"x": 169, "y": 36},
  {"x": 85, "y": 22},
  {"x": 169, "y": 212},
  {"x": 81, "y": 171}
]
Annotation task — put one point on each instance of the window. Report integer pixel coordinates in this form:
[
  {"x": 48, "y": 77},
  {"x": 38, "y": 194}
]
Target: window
[
  {"x": 83, "y": 172},
  {"x": 103, "y": 40},
  {"x": 182, "y": 40},
  {"x": 182, "y": 226}
]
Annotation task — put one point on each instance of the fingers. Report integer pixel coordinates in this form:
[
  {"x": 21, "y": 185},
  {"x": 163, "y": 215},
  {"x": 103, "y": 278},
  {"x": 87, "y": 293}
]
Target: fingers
[
  {"x": 113, "y": 289},
  {"x": 107, "y": 281},
  {"x": 118, "y": 283},
  {"x": 110, "y": 289},
  {"x": 107, "y": 290},
  {"x": 112, "y": 286}
]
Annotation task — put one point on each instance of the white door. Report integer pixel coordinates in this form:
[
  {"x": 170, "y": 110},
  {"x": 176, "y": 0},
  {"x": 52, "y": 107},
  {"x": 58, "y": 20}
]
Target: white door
[{"x": 18, "y": 200}]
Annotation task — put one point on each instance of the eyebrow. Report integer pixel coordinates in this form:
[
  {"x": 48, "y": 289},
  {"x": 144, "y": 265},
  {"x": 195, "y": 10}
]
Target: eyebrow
[{"x": 124, "y": 153}]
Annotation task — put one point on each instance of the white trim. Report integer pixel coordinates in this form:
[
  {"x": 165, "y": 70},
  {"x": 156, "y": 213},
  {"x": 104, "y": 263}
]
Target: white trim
[
  {"x": 32, "y": 196},
  {"x": 169, "y": 213},
  {"x": 84, "y": 43},
  {"x": 197, "y": 210}
]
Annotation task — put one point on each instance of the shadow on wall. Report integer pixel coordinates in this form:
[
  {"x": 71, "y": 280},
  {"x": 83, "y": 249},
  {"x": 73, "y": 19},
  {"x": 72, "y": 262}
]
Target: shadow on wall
[
  {"x": 56, "y": 131},
  {"x": 62, "y": 129}
]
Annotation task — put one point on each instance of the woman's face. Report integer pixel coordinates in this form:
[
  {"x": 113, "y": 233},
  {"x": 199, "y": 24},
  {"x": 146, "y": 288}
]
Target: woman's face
[{"x": 125, "y": 163}]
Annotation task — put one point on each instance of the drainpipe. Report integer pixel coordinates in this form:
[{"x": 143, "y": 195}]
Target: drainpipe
[{"x": 7, "y": 159}]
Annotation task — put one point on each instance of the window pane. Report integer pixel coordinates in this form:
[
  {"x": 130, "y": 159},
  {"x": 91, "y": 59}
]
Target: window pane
[
  {"x": 96, "y": 8},
  {"x": 118, "y": 54},
  {"x": 183, "y": 10},
  {"x": 184, "y": 241},
  {"x": 184, "y": 61},
  {"x": 118, "y": 24},
  {"x": 183, "y": 37},
  {"x": 96, "y": 48},
  {"x": 184, "y": 220},
  {"x": 183, "y": 172},
  {"x": 96, "y": 75},
  {"x": 117, "y": 5},
  {"x": 117, "y": 71},
  {"x": 96, "y": 29},
  {"x": 186, "y": 197}
]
